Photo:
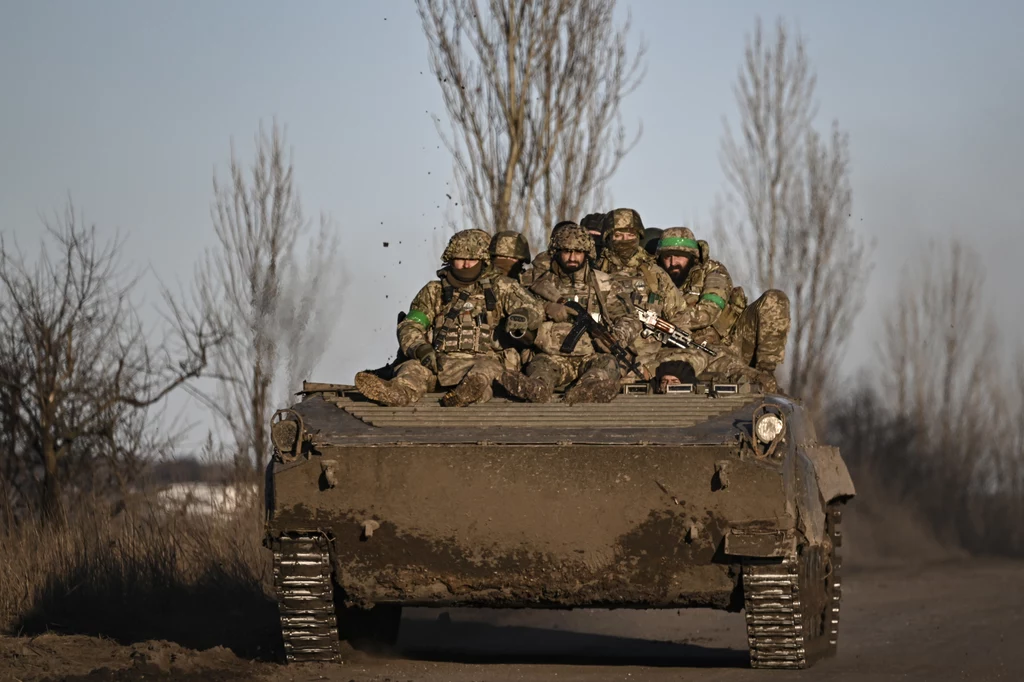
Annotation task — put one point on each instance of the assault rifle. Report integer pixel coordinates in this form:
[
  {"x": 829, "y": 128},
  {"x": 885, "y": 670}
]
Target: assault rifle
[
  {"x": 668, "y": 333},
  {"x": 600, "y": 334}
]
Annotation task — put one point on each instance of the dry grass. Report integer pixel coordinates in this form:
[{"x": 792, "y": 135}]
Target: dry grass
[{"x": 141, "y": 574}]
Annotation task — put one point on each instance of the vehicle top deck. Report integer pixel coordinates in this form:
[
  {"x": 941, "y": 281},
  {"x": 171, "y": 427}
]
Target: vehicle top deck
[{"x": 336, "y": 414}]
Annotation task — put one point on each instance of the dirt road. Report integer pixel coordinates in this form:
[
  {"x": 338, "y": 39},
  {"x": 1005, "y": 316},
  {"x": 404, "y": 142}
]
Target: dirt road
[{"x": 961, "y": 620}]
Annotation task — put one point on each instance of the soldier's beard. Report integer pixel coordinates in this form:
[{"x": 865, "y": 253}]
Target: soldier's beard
[
  {"x": 569, "y": 268},
  {"x": 467, "y": 275},
  {"x": 678, "y": 273}
]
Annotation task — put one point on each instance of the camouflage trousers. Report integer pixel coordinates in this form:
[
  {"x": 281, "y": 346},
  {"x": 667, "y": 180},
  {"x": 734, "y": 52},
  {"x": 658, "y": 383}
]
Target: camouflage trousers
[
  {"x": 759, "y": 336},
  {"x": 561, "y": 370},
  {"x": 452, "y": 369}
]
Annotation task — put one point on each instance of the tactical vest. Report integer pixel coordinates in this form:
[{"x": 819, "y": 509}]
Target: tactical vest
[{"x": 468, "y": 317}]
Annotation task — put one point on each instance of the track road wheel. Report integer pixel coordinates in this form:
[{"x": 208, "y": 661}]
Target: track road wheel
[{"x": 792, "y": 607}]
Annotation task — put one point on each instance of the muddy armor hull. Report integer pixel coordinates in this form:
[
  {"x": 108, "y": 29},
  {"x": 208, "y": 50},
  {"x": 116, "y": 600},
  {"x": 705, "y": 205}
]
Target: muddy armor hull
[{"x": 665, "y": 501}]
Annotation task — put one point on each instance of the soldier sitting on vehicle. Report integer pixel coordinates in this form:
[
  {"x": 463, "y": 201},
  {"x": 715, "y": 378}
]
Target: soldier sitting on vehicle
[
  {"x": 449, "y": 332},
  {"x": 752, "y": 337},
  {"x": 510, "y": 253},
  {"x": 593, "y": 223},
  {"x": 566, "y": 352},
  {"x": 634, "y": 270}
]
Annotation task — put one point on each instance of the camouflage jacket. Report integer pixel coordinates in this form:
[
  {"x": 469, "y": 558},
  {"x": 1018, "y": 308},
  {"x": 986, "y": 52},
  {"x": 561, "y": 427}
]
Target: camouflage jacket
[
  {"x": 713, "y": 302},
  {"x": 541, "y": 264},
  {"x": 598, "y": 294},
  {"x": 650, "y": 288},
  {"x": 464, "y": 318}
]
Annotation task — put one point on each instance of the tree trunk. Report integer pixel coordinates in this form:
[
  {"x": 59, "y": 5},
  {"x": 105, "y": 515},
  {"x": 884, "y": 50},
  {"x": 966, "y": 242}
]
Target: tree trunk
[{"x": 53, "y": 503}]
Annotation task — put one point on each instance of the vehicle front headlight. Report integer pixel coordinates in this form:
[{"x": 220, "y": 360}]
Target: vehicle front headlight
[{"x": 768, "y": 428}]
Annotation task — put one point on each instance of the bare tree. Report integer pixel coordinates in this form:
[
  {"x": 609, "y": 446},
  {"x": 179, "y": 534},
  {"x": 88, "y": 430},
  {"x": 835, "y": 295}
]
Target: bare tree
[
  {"x": 533, "y": 93},
  {"x": 789, "y": 190},
  {"x": 77, "y": 368},
  {"x": 945, "y": 376},
  {"x": 281, "y": 305},
  {"x": 941, "y": 356}
]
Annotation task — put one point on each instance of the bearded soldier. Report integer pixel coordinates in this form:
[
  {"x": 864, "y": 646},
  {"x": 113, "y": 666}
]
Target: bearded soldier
[
  {"x": 565, "y": 352},
  {"x": 449, "y": 332},
  {"x": 718, "y": 313}
]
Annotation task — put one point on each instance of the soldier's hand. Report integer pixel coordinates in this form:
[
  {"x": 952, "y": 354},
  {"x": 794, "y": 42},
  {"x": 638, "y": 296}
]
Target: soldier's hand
[
  {"x": 556, "y": 312},
  {"x": 427, "y": 356},
  {"x": 517, "y": 325}
]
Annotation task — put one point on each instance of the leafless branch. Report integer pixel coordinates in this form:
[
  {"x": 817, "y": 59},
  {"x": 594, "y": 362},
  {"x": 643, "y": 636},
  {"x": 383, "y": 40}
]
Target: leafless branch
[
  {"x": 77, "y": 368},
  {"x": 280, "y": 305},
  {"x": 790, "y": 200},
  {"x": 533, "y": 93}
]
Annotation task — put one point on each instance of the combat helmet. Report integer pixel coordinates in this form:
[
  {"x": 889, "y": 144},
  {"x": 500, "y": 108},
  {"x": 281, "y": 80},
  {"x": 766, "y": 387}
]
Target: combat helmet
[
  {"x": 623, "y": 219},
  {"x": 510, "y": 244},
  {"x": 678, "y": 240},
  {"x": 568, "y": 236},
  {"x": 469, "y": 244}
]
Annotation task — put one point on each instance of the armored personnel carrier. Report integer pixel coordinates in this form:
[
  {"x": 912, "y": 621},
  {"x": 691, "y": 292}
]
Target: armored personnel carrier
[{"x": 707, "y": 496}]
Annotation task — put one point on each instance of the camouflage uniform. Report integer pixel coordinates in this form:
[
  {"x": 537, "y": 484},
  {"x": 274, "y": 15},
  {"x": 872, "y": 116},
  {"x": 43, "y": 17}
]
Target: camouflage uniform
[
  {"x": 596, "y": 373},
  {"x": 451, "y": 324},
  {"x": 751, "y": 338},
  {"x": 635, "y": 271}
]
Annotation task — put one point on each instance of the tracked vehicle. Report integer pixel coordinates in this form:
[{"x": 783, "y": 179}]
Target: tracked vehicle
[{"x": 713, "y": 496}]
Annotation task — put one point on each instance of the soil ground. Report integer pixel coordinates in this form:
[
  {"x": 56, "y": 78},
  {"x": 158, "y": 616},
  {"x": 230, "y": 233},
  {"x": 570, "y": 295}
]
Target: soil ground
[{"x": 948, "y": 620}]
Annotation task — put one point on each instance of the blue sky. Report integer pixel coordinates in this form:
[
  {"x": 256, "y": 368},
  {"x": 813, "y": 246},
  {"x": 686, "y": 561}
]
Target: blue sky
[{"x": 131, "y": 106}]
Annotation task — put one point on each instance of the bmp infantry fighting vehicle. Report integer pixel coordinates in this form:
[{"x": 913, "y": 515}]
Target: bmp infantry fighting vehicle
[{"x": 710, "y": 495}]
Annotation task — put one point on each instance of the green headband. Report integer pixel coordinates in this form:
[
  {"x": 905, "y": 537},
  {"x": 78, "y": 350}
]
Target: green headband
[{"x": 678, "y": 241}]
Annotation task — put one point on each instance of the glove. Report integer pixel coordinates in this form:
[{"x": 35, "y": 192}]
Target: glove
[
  {"x": 427, "y": 356},
  {"x": 556, "y": 312},
  {"x": 516, "y": 325}
]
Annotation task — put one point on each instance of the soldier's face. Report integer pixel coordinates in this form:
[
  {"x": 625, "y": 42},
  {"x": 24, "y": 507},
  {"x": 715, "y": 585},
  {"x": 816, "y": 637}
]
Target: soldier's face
[
  {"x": 571, "y": 261},
  {"x": 675, "y": 264},
  {"x": 464, "y": 263},
  {"x": 504, "y": 264},
  {"x": 623, "y": 236}
]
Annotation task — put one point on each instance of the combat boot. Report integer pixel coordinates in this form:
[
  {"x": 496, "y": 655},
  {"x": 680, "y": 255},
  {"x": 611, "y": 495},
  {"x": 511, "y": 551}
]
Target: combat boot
[
  {"x": 768, "y": 382},
  {"x": 390, "y": 393},
  {"x": 592, "y": 391},
  {"x": 525, "y": 388},
  {"x": 470, "y": 390}
]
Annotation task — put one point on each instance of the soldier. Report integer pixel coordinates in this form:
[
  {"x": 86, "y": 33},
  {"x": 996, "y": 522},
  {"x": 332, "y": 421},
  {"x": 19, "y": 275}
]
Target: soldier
[
  {"x": 585, "y": 363},
  {"x": 449, "y": 331},
  {"x": 543, "y": 261},
  {"x": 510, "y": 253},
  {"x": 594, "y": 225},
  {"x": 634, "y": 270},
  {"x": 718, "y": 313}
]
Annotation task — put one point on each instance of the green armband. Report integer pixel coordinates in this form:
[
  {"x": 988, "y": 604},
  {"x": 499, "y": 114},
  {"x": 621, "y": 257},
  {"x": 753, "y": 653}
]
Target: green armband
[
  {"x": 714, "y": 298},
  {"x": 421, "y": 318}
]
